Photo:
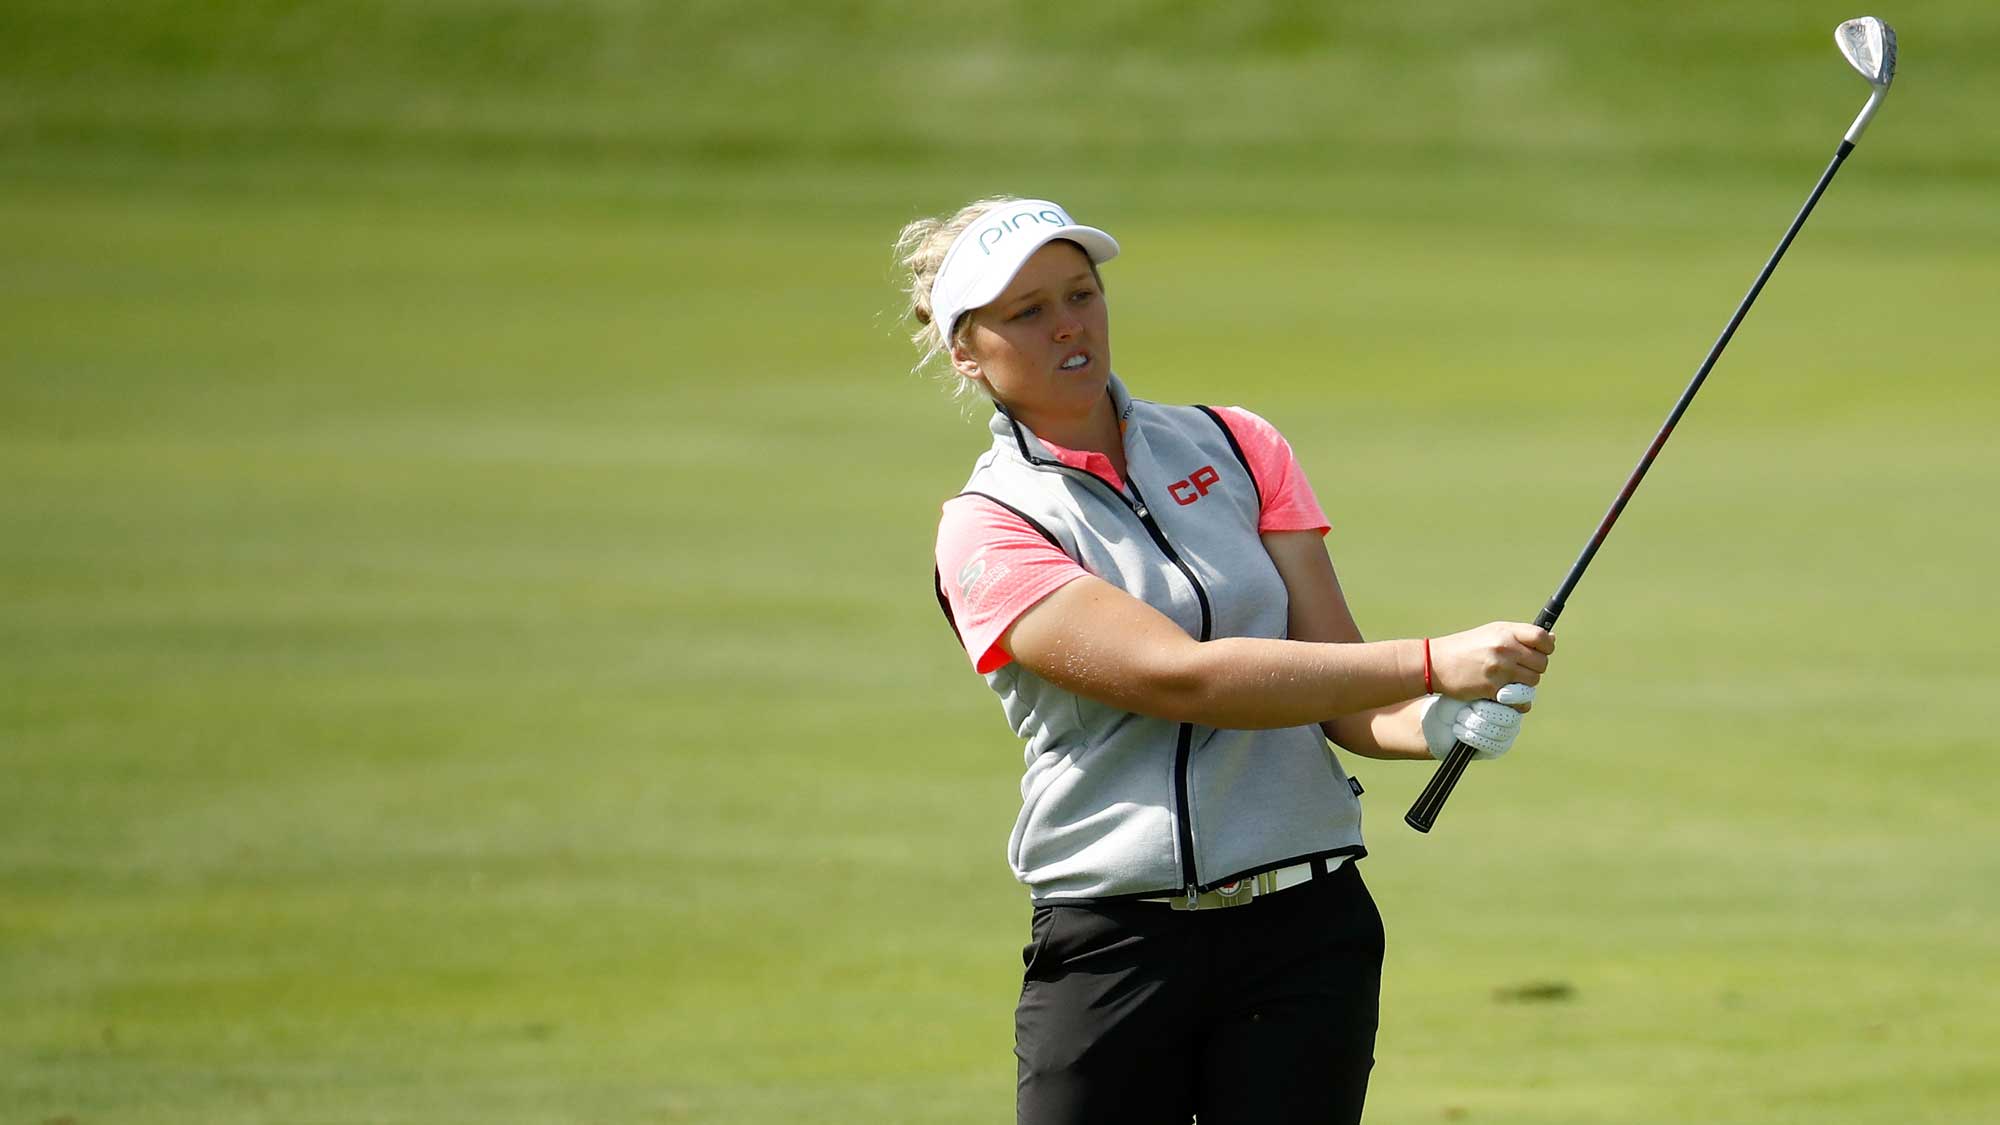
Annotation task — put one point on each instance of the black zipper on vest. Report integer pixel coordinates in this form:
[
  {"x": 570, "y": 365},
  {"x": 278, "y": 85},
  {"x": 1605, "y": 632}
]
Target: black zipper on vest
[
  {"x": 1184, "y": 743},
  {"x": 1138, "y": 505}
]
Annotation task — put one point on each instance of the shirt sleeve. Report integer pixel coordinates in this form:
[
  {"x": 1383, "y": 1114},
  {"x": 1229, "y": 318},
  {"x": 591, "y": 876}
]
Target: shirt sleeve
[
  {"x": 993, "y": 566},
  {"x": 1289, "y": 503}
]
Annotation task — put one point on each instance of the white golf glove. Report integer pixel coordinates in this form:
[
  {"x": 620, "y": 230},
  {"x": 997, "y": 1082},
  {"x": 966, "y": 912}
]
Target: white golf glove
[{"x": 1486, "y": 725}]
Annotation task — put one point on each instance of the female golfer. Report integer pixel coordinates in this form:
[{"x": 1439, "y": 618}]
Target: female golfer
[{"x": 1146, "y": 589}]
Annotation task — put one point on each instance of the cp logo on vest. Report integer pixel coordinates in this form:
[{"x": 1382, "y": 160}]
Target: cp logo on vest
[{"x": 1195, "y": 487}]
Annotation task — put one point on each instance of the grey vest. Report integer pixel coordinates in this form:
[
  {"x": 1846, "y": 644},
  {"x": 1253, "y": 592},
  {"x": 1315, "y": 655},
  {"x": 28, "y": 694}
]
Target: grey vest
[{"x": 1117, "y": 804}]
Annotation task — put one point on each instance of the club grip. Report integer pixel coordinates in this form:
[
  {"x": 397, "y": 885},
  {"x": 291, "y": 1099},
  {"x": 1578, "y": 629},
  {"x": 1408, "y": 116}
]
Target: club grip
[{"x": 1424, "y": 812}]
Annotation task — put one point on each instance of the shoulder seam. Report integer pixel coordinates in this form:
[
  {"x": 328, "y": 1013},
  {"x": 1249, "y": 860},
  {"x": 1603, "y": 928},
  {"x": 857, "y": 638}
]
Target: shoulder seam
[{"x": 1235, "y": 448}]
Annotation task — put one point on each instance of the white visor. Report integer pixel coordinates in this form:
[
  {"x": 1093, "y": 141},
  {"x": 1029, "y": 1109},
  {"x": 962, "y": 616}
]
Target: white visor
[{"x": 987, "y": 255}]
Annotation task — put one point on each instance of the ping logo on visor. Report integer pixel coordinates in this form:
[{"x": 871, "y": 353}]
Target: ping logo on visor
[{"x": 992, "y": 232}]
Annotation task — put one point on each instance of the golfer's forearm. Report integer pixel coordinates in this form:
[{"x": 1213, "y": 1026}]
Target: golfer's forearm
[
  {"x": 1392, "y": 732},
  {"x": 1244, "y": 683}
]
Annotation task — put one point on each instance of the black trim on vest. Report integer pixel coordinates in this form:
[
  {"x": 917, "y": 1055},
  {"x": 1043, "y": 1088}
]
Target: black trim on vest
[
  {"x": 1141, "y": 509},
  {"x": 944, "y": 603},
  {"x": 1236, "y": 449},
  {"x": 1019, "y": 439},
  {"x": 937, "y": 576},
  {"x": 1031, "y": 521}
]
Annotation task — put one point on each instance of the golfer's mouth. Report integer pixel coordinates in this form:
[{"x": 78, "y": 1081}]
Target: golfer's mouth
[{"x": 1074, "y": 362}]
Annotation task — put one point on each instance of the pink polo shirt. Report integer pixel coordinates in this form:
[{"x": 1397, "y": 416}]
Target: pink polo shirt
[{"x": 995, "y": 566}]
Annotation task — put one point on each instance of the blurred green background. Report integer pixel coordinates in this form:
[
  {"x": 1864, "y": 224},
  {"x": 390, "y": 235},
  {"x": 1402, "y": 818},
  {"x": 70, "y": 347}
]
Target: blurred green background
[{"x": 466, "y": 650}]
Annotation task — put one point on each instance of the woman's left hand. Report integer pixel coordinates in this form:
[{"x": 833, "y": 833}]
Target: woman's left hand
[{"x": 1486, "y": 725}]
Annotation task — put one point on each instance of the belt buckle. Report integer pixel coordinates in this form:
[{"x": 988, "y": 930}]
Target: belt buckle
[{"x": 1236, "y": 892}]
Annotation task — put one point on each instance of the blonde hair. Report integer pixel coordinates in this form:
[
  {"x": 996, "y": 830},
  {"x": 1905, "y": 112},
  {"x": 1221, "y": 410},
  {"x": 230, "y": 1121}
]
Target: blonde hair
[{"x": 920, "y": 251}]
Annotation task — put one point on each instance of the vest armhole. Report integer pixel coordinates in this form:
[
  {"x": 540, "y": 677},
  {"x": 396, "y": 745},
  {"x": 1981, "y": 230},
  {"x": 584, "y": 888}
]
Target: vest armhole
[
  {"x": 937, "y": 576},
  {"x": 1030, "y": 520},
  {"x": 944, "y": 603},
  {"x": 1235, "y": 448}
]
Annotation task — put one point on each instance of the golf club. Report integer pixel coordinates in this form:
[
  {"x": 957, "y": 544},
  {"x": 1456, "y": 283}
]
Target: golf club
[{"x": 1870, "y": 47}]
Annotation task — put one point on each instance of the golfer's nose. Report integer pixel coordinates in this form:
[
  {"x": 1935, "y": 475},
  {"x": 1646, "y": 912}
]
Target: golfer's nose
[{"x": 1068, "y": 324}]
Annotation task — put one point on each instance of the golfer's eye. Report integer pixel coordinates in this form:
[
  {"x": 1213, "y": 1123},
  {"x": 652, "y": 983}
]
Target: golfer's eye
[
  {"x": 1082, "y": 296},
  {"x": 1026, "y": 313}
]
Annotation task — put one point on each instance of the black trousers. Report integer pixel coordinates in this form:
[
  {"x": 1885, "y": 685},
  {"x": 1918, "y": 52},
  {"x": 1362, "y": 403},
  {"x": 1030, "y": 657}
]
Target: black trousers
[{"x": 1264, "y": 1013}]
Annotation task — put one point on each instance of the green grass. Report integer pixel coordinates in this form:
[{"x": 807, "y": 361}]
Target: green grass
[{"x": 465, "y": 644}]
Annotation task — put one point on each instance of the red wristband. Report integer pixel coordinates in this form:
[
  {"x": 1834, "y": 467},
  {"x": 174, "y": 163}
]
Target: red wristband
[{"x": 1427, "y": 666}]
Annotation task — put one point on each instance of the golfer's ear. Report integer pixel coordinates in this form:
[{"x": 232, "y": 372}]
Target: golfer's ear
[{"x": 963, "y": 362}]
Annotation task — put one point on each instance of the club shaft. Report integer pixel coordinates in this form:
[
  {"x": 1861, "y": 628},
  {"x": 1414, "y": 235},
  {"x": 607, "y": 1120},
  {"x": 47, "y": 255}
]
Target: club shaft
[
  {"x": 1424, "y": 812},
  {"x": 1561, "y": 597}
]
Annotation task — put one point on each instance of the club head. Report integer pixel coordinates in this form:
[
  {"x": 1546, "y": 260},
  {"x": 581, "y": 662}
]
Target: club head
[{"x": 1870, "y": 47}]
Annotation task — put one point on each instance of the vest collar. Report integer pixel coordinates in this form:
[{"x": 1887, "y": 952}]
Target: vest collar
[{"x": 1008, "y": 430}]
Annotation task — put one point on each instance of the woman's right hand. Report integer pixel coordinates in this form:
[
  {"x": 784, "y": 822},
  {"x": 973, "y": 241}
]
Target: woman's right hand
[{"x": 1477, "y": 663}]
